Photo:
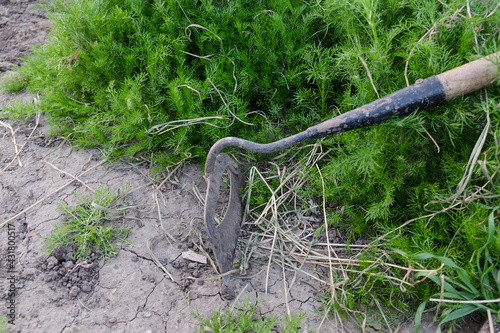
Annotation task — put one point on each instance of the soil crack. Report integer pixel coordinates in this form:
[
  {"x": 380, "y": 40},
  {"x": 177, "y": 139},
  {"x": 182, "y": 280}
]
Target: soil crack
[{"x": 136, "y": 254}]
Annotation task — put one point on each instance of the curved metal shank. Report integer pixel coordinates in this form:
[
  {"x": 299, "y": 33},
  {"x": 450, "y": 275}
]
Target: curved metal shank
[{"x": 425, "y": 94}]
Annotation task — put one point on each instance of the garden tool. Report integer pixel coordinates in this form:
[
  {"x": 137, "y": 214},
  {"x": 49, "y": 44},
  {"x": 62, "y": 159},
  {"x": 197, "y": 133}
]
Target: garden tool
[{"x": 424, "y": 94}]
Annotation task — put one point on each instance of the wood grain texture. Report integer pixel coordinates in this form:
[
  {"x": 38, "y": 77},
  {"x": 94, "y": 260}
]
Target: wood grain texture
[{"x": 471, "y": 76}]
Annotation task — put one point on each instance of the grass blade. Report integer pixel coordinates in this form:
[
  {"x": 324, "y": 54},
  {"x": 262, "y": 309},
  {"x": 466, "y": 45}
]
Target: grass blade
[
  {"x": 461, "y": 312},
  {"x": 418, "y": 316}
]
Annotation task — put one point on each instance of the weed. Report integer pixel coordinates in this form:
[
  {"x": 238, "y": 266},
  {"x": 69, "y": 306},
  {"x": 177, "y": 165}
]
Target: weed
[
  {"x": 462, "y": 292},
  {"x": 245, "y": 318},
  {"x": 111, "y": 71},
  {"x": 18, "y": 111},
  {"x": 3, "y": 324},
  {"x": 89, "y": 225},
  {"x": 172, "y": 77},
  {"x": 13, "y": 83}
]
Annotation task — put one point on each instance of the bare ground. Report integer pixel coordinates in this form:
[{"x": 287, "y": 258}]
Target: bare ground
[
  {"x": 131, "y": 293},
  {"x": 128, "y": 293}
]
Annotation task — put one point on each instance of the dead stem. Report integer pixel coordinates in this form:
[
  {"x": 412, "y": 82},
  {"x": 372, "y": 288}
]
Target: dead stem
[
  {"x": 369, "y": 75},
  {"x": 175, "y": 124},
  {"x": 278, "y": 240},
  {"x": 68, "y": 174},
  {"x": 454, "y": 301},
  {"x": 285, "y": 289},
  {"x": 490, "y": 321},
  {"x": 225, "y": 103},
  {"x": 13, "y": 138},
  {"x": 332, "y": 285},
  {"x": 18, "y": 152},
  {"x": 150, "y": 245}
]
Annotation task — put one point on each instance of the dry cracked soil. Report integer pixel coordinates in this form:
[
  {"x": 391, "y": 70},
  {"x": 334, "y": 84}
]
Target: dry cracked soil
[{"x": 129, "y": 292}]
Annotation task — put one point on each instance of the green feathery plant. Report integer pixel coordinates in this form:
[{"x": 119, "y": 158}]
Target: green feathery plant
[
  {"x": 3, "y": 324},
  {"x": 245, "y": 318},
  {"x": 89, "y": 225}
]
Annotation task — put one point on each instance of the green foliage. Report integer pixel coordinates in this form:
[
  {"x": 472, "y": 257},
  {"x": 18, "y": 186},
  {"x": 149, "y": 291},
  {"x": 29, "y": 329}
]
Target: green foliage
[
  {"x": 111, "y": 71},
  {"x": 13, "y": 83},
  {"x": 89, "y": 225},
  {"x": 245, "y": 318},
  {"x": 3, "y": 324},
  {"x": 18, "y": 111}
]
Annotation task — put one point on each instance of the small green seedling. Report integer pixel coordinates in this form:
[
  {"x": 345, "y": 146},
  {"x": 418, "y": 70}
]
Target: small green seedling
[
  {"x": 245, "y": 317},
  {"x": 465, "y": 292},
  {"x": 89, "y": 225},
  {"x": 3, "y": 324}
]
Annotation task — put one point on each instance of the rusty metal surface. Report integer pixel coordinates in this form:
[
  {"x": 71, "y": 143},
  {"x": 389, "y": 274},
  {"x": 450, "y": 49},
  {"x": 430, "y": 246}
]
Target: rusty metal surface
[{"x": 224, "y": 237}]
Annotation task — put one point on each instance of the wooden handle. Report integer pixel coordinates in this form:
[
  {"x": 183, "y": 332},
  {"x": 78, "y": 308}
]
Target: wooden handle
[
  {"x": 470, "y": 77},
  {"x": 422, "y": 95}
]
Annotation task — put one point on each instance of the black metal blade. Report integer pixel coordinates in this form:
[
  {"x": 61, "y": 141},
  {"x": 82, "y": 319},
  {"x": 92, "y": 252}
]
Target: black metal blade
[{"x": 224, "y": 237}]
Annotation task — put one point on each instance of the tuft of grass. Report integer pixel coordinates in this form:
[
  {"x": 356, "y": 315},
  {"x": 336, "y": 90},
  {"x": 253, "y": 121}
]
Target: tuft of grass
[
  {"x": 89, "y": 226},
  {"x": 13, "y": 83},
  {"x": 245, "y": 318},
  {"x": 19, "y": 111},
  {"x": 464, "y": 292}
]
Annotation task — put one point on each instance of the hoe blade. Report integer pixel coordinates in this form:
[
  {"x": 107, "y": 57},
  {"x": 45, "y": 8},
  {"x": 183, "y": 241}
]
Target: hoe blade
[{"x": 224, "y": 237}]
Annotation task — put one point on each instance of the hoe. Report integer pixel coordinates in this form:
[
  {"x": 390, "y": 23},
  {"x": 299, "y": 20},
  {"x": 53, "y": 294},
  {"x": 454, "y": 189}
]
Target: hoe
[{"x": 422, "y": 95}]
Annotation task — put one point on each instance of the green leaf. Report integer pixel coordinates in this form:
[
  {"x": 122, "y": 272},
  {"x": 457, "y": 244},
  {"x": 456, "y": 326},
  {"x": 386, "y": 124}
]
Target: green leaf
[
  {"x": 457, "y": 284},
  {"x": 423, "y": 256},
  {"x": 496, "y": 276},
  {"x": 400, "y": 252},
  {"x": 465, "y": 278},
  {"x": 461, "y": 312},
  {"x": 447, "y": 286},
  {"x": 491, "y": 226},
  {"x": 418, "y": 316},
  {"x": 448, "y": 295},
  {"x": 448, "y": 262},
  {"x": 491, "y": 237},
  {"x": 444, "y": 260}
]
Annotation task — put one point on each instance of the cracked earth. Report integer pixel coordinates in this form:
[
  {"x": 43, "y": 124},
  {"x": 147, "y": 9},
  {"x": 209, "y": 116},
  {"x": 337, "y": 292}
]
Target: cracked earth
[{"x": 129, "y": 292}]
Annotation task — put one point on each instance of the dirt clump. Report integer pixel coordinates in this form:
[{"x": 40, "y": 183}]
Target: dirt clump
[{"x": 62, "y": 270}]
